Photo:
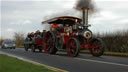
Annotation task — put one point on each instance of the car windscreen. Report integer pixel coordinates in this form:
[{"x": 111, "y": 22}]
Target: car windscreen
[{"x": 8, "y": 42}]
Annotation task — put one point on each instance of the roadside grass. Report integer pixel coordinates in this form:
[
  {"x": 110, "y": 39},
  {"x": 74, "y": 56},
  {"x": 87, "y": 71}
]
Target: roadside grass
[
  {"x": 19, "y": 46},
  {"x": 116, "y": 54},
  {"x": 10, "y": 64}
]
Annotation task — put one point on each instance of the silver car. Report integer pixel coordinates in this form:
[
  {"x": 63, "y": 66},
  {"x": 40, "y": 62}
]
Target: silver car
[{"x": 8, "y": 44}]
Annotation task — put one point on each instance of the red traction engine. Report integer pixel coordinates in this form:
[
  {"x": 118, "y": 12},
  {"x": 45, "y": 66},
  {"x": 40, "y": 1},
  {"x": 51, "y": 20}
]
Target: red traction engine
[{"x": 71, "y": 34}]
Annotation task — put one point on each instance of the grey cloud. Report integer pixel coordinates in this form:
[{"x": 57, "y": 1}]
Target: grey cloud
[{"x": 36, "y": 11}]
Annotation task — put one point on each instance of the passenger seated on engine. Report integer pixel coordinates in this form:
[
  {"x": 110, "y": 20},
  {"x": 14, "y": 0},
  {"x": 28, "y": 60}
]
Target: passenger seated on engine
[
  {"x": 37, "y": 34},
  {"x": 28, "y": 37},
  {"x": 42, "y": 34},
  {"x": 60, "y": 27},
  {"x": 32, "y": 35}
]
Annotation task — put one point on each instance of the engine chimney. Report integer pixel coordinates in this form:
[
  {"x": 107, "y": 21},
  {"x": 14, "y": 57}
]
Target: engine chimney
[{"x": 85, "y": 16}]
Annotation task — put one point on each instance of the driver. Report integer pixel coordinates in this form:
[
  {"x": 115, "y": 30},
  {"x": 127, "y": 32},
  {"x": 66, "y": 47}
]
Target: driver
[
  {"x": 42, "y": 34},
  {"x": 28, "y": 37},
  {"x": 32, "y": 35},
  {"x": 37, "y": 34}
]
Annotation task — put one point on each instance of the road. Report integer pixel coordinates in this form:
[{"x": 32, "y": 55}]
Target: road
[{"x": 82, "y": 63}]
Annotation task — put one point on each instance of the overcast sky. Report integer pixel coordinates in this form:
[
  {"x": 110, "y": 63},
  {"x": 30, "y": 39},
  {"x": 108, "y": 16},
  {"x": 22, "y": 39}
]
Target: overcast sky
[{"x": 27, "y": 15}]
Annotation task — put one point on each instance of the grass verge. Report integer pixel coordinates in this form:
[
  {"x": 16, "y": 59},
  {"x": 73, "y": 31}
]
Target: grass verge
[{"x": 10, "y": 64}]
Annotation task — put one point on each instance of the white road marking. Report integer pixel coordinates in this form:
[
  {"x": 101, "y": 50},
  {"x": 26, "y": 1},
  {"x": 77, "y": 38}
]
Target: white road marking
[
  {"x": 102, "y": 62},
  {"x": 97, "y": 61}
]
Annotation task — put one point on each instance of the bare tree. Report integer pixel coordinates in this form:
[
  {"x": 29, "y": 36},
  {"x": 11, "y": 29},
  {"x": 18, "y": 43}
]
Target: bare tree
[
  {"x": 1, "y": 40},
  {"x": 19, "y": 39}
]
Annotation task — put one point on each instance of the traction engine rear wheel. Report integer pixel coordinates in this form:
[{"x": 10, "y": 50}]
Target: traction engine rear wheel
[
  {"x": 73, "y": 47},
  {"x": 99, "y": 47},
  {"x": 49, "y": 43}
]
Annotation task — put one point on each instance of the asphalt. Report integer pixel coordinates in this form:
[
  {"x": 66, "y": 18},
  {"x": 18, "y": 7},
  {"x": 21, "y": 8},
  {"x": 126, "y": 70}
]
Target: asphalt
[{"x": 82, "y": 63}]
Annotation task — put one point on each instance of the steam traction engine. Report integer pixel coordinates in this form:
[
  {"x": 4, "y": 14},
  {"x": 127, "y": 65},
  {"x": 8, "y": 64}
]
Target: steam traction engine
[
  {"x": 34, "y": 44},
  {"x": 71, "y": 34}
]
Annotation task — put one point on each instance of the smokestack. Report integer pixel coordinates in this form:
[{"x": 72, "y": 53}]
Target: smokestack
[
  {"x": 84, "y": 5},
  {"x": 85, "y": 16}
]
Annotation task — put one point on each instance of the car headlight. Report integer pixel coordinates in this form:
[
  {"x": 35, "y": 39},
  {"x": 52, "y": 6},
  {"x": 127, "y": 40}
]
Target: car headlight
[
  {"x": 5, "y": 45},
  {"x": 14, "y": 45},
  {"x": 87, "y": 34}
]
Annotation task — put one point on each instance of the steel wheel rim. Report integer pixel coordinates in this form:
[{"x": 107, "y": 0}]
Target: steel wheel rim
[
  {"x": 48, "y": 42},
  {"x": 71, "y": 49},
  {"x": 97, "y": 50}
]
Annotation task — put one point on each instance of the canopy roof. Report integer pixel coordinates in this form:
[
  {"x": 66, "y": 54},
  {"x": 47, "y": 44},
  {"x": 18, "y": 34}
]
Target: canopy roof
[{"x": 63, "y": 20}]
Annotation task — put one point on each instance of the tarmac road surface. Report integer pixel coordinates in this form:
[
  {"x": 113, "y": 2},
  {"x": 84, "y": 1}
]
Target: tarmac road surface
[{"x": 82, "y": 63}]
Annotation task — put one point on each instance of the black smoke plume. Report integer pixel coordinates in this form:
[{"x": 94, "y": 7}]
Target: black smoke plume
[{"x": 86, "y": 4}]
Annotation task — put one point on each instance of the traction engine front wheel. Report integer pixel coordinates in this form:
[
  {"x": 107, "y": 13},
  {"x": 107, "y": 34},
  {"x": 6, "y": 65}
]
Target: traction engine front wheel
[{"x": 99, "y": 47}]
